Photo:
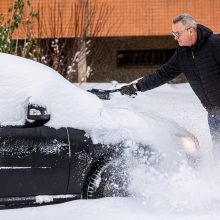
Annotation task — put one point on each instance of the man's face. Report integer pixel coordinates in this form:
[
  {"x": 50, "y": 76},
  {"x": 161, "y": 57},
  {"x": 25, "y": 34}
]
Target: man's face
[{"x": 184, "y": 36}]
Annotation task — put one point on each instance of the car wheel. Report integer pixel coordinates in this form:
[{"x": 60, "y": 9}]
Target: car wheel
[{"x": 109, "y": 180}]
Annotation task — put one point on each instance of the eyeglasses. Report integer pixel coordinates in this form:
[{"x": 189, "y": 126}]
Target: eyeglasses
[{"x": 178, "y": 33}]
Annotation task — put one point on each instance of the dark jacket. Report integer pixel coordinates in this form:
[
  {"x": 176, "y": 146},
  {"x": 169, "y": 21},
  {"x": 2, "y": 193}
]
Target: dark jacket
[{"x": 200, "y": 64}]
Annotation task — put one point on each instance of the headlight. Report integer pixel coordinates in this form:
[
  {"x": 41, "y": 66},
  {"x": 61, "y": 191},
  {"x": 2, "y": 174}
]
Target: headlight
[{"x": 189, "y": 144}]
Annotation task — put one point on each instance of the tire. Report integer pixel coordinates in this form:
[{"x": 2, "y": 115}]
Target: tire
[{"x": 108, "y": 180}]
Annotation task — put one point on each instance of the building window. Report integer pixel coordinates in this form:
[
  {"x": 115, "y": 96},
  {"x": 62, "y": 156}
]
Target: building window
[{"x": 143, "y": 57}]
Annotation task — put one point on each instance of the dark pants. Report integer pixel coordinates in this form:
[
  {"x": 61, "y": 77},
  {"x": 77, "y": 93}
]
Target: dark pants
[{"x": 214, "y": 126}]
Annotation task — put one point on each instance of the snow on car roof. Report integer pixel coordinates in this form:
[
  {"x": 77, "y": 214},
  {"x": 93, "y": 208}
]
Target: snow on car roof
[{"x": 24, "y": 81}]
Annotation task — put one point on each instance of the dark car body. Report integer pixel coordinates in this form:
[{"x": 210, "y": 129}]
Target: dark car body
[{"x": 46, "y": 161}]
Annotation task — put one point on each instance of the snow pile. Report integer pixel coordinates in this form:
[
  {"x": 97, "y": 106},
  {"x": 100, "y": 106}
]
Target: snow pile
[
  {"x": 24, "y": 81},
  {"x": 184, "y": 191}
]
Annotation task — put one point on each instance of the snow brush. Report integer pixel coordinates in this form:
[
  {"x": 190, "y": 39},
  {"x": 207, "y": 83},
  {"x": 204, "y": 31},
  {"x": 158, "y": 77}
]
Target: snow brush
[{"x": 103, "y": 94}]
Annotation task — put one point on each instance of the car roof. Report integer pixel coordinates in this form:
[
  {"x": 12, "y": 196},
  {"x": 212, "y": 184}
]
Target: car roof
[{"x": 25, "y": 81}]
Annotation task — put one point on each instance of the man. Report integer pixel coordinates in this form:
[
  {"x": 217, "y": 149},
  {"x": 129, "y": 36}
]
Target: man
[{"x": 198, "y": 57}]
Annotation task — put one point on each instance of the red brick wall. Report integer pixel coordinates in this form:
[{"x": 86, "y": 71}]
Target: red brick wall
[{"x": 121, "y": 17}]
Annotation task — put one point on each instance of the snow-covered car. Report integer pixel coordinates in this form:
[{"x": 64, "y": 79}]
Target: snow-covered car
[{"x": 59, "y": 142}]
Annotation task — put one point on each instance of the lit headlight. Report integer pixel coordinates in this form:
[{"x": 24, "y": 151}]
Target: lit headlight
[{"x": 190, "y": 145}]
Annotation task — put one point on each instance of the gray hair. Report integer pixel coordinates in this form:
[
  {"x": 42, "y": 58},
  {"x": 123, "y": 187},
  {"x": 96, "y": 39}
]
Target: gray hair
[{"x": 186, "y": 19}]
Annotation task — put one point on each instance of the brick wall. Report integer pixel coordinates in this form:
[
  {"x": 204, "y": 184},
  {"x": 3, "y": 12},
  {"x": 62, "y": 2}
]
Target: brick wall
[
  {"x": 121, "y": 17},
  {"x": 123, "y": 25}
]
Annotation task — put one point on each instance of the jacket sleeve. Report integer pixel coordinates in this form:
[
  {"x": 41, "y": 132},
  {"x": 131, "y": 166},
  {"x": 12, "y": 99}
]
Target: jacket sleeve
[
  {"x": 216, "y": 49},
  {"x": 165, "y": 73}
]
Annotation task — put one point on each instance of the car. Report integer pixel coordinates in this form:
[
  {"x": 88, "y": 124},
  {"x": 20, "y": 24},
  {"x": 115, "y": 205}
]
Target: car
[{"x": 59, "y": 142}]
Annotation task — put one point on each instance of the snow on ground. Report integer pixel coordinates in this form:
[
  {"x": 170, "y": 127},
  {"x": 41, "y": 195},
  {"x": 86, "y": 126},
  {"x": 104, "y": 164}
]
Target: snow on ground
[{"x": 185, "y": 194}]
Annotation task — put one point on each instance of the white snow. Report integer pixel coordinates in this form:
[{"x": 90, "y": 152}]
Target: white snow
[
  {"x": 48, "y": 199},
  {"x": 158, "y": 194},
  {"x": 24, "y": 81}
]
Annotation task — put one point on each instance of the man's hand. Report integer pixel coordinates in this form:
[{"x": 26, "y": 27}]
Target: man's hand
[{"x": 129, "y": 90}]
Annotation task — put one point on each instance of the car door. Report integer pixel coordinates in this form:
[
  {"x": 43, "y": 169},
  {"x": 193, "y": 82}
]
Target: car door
[
  {"x": 33, "y": 161},
  {"x": 80, "y": 159}
]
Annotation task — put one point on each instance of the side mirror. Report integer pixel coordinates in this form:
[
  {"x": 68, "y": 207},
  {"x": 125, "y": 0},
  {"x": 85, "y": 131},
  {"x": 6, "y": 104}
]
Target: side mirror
[{"x": 36, "y": 116}]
